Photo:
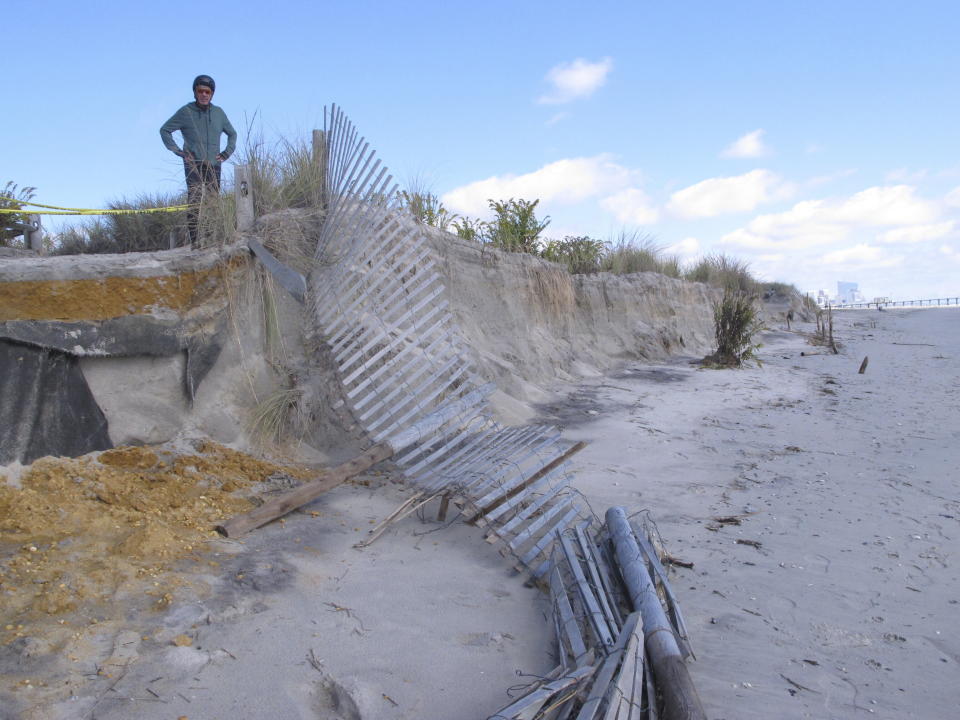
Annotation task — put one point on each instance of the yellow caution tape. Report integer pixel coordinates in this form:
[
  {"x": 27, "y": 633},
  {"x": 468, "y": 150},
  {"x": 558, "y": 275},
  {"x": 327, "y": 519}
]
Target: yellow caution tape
[{"x": 84, "y": 211}]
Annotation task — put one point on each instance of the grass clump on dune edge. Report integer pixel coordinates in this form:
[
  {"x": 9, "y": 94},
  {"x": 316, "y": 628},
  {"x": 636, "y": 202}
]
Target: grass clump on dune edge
[{"x": 736, "y": 320}]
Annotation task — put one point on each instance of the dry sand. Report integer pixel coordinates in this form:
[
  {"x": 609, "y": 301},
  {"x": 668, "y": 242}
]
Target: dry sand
[{"x": 847, "y": 482}]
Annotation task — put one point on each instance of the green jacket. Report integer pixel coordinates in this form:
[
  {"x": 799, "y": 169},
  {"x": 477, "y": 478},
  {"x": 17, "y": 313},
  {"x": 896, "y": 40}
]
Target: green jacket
[{"x": 201, "y": 130}]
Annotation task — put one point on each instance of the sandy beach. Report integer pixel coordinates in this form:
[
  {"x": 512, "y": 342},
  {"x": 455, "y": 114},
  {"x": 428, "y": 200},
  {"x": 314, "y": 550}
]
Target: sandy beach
[
  {"x": 832, "y": 597},
  {"x": 847, "y": 484}
]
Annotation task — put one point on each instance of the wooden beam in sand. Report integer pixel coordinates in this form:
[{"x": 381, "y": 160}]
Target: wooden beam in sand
[{"x": 290, "y": 501}]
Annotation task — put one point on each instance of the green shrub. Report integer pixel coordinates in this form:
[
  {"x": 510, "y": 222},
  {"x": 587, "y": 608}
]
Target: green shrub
[
  {"x": 10, "y": 223},
  {"x": 470, "y": 229},
  {"x": 426, "y": 208},
  {"x": 581, "y": 255},
  {"x": 515, "y": 227},
  {"x": 735, "y": 320}
]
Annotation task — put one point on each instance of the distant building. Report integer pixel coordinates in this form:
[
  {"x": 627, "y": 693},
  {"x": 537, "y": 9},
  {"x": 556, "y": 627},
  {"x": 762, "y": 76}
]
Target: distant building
[{"x": 848, "y": 292}]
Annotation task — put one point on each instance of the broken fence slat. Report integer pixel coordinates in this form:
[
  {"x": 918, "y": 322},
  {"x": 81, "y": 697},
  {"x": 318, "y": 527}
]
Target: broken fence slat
[
  {"x": 488, "y": 504},
  {"x": 567, "y": 621},
  {"x": 531, "y": 530},
  {"x": 527, "y": 707},
  {"x": 601, "y": 682},
  {"x": 606, "y": 579},
  {"x": 598, "y": 619},
  {"x": 524, "y": 514},
  {"x": 600, "y": 587},
  {"x": 483, "y": 520},
  {"x": 543, "y": 543},
  {"x": 511, "y": 472},
  {"x": 626, "y": 698}
]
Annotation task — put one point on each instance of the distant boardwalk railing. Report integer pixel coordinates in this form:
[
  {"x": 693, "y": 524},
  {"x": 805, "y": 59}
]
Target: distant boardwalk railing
[{"x": 934, "y": 302}]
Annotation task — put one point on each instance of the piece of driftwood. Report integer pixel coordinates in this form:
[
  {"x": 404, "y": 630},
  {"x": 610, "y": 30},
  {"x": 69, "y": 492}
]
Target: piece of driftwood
[
  {"x": 290, "y": 501},
  {"x": 410, "y": 506}
]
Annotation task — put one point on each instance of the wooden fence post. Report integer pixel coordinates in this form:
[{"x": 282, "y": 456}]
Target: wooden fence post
[
  {"x": 320, "y": 160},
  {"x": 243, "y": 192},
  {"x": 34, "y": 235}
]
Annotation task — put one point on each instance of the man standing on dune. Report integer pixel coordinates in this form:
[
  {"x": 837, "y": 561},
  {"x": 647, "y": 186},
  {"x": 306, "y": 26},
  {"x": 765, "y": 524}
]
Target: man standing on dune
[{"x": 201, "y": 123}]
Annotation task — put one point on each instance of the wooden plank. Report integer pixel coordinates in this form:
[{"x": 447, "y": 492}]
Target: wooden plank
[{"x": 290, "y": 501}]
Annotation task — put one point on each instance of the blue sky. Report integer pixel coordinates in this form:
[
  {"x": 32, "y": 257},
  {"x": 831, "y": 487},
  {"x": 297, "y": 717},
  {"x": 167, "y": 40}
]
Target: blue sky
[{"x": 815, "y": 140}]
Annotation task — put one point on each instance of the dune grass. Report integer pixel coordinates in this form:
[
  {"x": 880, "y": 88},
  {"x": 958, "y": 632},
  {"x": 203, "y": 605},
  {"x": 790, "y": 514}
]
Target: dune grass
[
  {"x": 635, "y": 251},
  {"x": 736, "y": 321}
]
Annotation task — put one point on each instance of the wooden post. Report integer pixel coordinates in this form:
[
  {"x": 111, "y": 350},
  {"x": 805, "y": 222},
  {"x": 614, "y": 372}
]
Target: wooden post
[
  {"x": 34, "y": 236},
  {"x": 243, "y": 191},
  {"x": 444, "y": 506},
  {"x": 305, "y": 493},
  {"x": 320, "y": 160}
]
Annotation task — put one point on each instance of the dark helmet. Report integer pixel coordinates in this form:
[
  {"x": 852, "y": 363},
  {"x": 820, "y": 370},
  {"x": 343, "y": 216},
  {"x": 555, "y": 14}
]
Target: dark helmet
[{"x": 204, "y": 80}]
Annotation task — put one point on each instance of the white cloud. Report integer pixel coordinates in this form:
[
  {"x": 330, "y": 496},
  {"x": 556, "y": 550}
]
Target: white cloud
[
  {"x": 740, "y": 193},
  {"x": 575, "y": 80},
  {"x": 950, "y": 252},
  {"x": 903, "y": 175},
  {"x": 566, "y": 181},
  {"x": 892, "y": 205},
  {"x": 832, "y": 177},
  {"x": 953, "y": 198},
  {"x": 686, "y": 249},
  {"x": 862, "y": 256},
  {"x": 557, "y": 117},
  {"x": 917, "y": 233},
  {"x": 748, "y": 146},
  {"x": 632, "y": 206},
  {"x": 817, "y": 222}
]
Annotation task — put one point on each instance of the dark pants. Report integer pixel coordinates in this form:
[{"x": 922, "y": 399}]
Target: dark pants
[{"x": 203, "y": 181}]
